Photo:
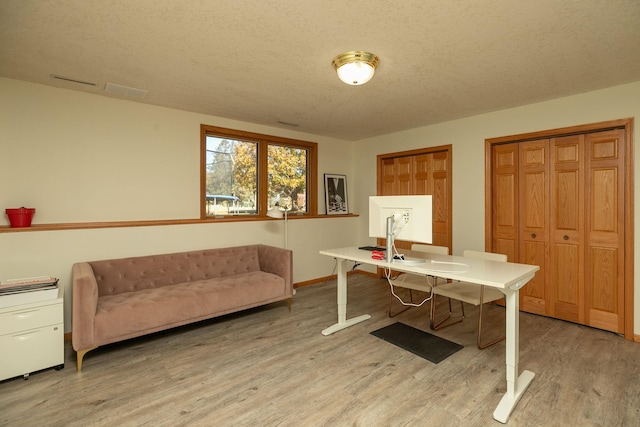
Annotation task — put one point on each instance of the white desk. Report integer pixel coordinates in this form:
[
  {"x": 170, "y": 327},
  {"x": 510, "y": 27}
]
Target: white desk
[{"x": 506, "y": 276}]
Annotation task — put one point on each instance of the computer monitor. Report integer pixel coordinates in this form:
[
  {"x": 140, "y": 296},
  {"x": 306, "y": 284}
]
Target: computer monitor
[{"x": 411, "y": 219}]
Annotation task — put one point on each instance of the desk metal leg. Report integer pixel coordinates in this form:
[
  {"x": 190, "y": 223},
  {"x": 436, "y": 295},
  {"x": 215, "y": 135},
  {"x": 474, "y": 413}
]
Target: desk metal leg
[
  {"x": 342, "y": 303},
  {"x": 516, "y": 385}
]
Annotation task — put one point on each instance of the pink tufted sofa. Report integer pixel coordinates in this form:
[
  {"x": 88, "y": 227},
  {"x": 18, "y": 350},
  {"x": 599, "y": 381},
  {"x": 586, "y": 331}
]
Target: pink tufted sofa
[{"x": 118, "y": 299}]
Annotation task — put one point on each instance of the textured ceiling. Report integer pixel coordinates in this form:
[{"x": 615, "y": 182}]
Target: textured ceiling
[{"x": 270, "y": 61}]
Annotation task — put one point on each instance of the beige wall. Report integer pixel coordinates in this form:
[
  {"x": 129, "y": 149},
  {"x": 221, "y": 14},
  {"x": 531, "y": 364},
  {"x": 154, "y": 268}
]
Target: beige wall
[
  {"x": 78, "y": 157},
  {"x": 467, "y": 137}
]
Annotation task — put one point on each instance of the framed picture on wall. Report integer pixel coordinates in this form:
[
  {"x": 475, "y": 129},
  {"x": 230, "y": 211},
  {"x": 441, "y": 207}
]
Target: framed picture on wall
[{"x": 335, "y": 190}]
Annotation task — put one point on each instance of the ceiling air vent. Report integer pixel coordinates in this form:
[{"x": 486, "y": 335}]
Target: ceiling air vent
[
  {"x": 69, "y": 79},
  {"x": 125, "y": 91},
  {"x": 295, "y": 125}
]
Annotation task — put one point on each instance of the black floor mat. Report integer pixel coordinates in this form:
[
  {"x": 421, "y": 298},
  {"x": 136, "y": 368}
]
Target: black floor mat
[{"x": 420, "y": 343}]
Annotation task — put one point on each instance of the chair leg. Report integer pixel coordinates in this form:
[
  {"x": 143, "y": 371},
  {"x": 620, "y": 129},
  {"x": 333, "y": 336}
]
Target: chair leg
[
  {"x": 391, "y": 300},
  {"x": 482, "y": 345},
  {"x": 439, "y": 325}
]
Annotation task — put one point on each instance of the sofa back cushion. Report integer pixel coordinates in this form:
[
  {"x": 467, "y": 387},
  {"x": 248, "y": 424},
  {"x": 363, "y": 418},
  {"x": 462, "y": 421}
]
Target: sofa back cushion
[{"x": 117, "y": 276}]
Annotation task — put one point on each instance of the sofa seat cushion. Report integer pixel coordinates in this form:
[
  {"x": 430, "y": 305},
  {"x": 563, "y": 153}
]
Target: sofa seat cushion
[{"x": 136, "y": 313}]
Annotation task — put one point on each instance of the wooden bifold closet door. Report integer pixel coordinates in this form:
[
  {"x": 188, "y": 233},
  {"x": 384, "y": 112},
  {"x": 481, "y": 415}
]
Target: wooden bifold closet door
[
  {"x": 417, "y": 172},
  {"x": 559, "y": 202}
]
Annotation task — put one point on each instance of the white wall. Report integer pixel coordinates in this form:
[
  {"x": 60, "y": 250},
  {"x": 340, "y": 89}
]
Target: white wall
[
  {"x": 79, "y": 157},
  {"x": 467, "y": 137}
]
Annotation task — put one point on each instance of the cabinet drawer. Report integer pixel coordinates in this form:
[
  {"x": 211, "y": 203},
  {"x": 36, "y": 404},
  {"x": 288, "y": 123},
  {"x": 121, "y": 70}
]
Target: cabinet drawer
[
  {"x": 30, "y": 318},
  {"x": 32, "y": 350}
]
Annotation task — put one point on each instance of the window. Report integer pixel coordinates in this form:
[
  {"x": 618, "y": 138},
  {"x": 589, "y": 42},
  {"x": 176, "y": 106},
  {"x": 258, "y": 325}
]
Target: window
[{"x": 244, "y": 174}]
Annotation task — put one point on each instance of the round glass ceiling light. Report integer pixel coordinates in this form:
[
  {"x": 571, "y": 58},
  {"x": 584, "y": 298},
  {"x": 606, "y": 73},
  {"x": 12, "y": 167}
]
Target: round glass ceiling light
[{"x": 355, "y": 67}]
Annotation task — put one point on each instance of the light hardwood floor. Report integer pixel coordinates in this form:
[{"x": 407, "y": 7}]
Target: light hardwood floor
[{"x": 272, "y": 367}]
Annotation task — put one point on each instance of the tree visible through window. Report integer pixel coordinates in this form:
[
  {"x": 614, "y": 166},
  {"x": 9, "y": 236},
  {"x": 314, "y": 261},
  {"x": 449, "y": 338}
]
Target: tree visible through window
[
  {"x": 287, "y": 178},
  {"x": 231, "y": 178},
  {"x": 245, "y": 174}
]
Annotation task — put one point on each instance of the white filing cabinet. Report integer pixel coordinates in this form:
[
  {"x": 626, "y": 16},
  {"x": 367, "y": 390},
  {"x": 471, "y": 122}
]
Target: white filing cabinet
[{"x": 31, "y": 337}]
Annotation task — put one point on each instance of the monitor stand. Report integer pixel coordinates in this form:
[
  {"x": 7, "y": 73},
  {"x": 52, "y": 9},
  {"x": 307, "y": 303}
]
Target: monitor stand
[
  {"x": 391, "y": 258},
  {"x": 389, "y": 252}
]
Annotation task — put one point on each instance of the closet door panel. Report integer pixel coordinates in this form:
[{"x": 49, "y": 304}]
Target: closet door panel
[
  {"x": 404, "y": 176},
  {"x": 430, "y": 177},
  {"x": 568, "y": 295},
  {"x": 387, "y": 176},
  {"x": 533, "y": 295},
  {"x": 505, "y": 201},
  {"x": 441, "y": 202},
  {"x": 566, "y": 251},
  {"x": 534, "y": 213},
  {"x": 605, "y": 230},
  {"x": 603, "y": 310},
  {"x": 423, "y": 183},
  {"x": 397, "y": 178},
  {"x": 423, "y": 173}
]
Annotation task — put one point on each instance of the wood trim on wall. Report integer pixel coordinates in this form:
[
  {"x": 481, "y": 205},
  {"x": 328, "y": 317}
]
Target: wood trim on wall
[
  {"x": 154, "y": 223},
  {"x": 626, "y": 124}
]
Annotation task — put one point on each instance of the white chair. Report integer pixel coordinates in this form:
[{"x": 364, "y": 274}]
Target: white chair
[
  {"x": 414, "y": 282},
  {"x": 470, "y": 293}
]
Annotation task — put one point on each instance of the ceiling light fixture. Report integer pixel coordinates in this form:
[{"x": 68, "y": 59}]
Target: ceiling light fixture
[{"x": 355, "y": 67}]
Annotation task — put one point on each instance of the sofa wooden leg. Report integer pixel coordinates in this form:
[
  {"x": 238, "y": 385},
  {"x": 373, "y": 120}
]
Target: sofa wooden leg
[
  {"x": 80, "y": 355},
  {"x": 289, "y": 303}
]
